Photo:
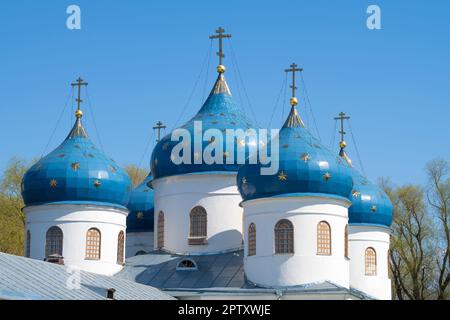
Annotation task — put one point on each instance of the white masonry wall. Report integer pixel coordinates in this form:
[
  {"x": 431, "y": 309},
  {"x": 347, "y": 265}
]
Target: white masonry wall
[
  {"x": 217, "y": 193},
  {"x": 304, "y": 266},
  {"x": 139, "y": 242},
  {"x": 75, "y": 221},
  {"x": 362, "y": 237}
]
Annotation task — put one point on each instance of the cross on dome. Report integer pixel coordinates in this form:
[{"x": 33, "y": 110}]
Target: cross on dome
[
  {"x": 79, "y": 83},
  {"x": 220, "y": 35},
  {"x": 342, "y": 143},
  {"x": 293, "y": 69}
]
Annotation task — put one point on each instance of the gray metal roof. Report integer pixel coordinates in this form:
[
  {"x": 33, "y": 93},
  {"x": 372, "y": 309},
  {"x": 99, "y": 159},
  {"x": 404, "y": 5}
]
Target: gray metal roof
[
  {"x": 218, "y": 274},
  {"x": 24, "y": 278},
  {"x": 158, "y": 269}
]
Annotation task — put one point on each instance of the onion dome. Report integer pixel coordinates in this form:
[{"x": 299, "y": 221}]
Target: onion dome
[
  {"x": 306, "y": 167},
  {"x": 76, "y": 172},
  {"x": 140, "y": 218},
  {"x": 218, "y": 112},
  {"x": 370, "y": 204}
]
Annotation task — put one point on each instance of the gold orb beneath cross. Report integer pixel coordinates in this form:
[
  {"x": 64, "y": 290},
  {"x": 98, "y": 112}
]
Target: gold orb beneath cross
[
  {"x": 294, "y": 101},
  {"x": 78, "y": 113},
  {"x": 342, "y": 144},
  {"x": 221, "y": 68}
]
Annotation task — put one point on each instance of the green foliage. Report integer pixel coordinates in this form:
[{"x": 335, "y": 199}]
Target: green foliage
[
  {"x": 420, "y": 242},
  {"x": 12, "y": 219}
]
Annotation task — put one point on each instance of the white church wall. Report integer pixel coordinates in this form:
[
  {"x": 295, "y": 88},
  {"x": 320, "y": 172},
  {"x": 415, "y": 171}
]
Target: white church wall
[
  {"x": 362, "y": 237},
  {"x": 176, "y": 196},
  {"x": 303, "y": 266},
  {"x": 75, "y": 221},
  {"x": 139, "y": 242}
]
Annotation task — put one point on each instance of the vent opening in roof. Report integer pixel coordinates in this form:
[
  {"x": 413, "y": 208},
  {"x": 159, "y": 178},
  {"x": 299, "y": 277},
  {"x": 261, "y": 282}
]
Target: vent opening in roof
[{"x": 187, "y": 265}]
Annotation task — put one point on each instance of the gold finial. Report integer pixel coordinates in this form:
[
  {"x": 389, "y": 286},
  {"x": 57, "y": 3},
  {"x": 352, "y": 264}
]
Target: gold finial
[
  {"x": 80, "y": 82},
  {"x": 220, "y": 35},
  {"x": 293, "y": 69},
  {"x": 159, "y": 125}
]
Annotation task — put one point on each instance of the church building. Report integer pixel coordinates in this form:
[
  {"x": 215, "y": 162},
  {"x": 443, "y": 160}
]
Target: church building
[{"x": 316, "y": 229}]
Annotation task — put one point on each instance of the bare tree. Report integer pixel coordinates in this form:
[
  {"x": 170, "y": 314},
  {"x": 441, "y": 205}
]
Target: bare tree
[
  {"x": 410, "y": 261},
  {"x": 438, "y": 195}
]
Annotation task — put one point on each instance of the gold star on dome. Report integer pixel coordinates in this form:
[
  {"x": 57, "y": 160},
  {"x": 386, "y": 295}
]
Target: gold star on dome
[
  {"x": 305, "y": 157},
  {"x": 355, "y": 193},
  {"x": 75, "y": 166},
  {"x": 282, "y": 176},
  {"x": 53, "y": 183},
  {"x": 140, "y": 215},
  {"x": 373, "y": 208},
  {"x": 97, "y": 183},
  {"x": 327, "y": 176}
]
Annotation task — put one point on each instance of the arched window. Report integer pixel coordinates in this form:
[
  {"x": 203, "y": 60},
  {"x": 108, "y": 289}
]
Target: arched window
[
  {"x": 251, "y": 239},
  {"x": 323, "y": 238},
  {"x": 160, "y": 230},
  {"x": 370, "y": 259},
  {"x": 346, "y": 241},
  {"x": 198, "y": 226},
  {"x": 28, "y": 245},
  {"x": 187, "y": 265},
  {"x": 93, "y": 244},
  {"x": 284, "y": 237},
  {"x": 53, "y": 241},
  {"x": 120, "y": 247}
]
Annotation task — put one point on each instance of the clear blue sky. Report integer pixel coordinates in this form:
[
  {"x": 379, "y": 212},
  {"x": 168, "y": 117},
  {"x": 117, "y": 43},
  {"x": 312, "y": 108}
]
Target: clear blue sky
[{"x": 142, "y": 58}]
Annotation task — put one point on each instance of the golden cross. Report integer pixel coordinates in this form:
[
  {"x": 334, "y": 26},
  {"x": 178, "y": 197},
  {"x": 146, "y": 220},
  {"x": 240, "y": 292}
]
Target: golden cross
[
  {"x": 159, "y": 126},
  {"x": 220, "y": 35},
  {"x": 342, "y": 117},
  {"x": 293, "y": 69},
  {"x": 80, "y": 82}
]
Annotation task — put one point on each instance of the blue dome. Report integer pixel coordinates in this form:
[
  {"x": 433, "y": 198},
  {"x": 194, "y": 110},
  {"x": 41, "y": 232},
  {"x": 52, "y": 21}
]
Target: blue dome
[
  {"x": 140, "y": 218},
  {"x": 218, "y": 112},
  {"x": 370, "y": 204},
  {"x": 76, "y": 172},
  {"x": 305, "y": 168}
]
